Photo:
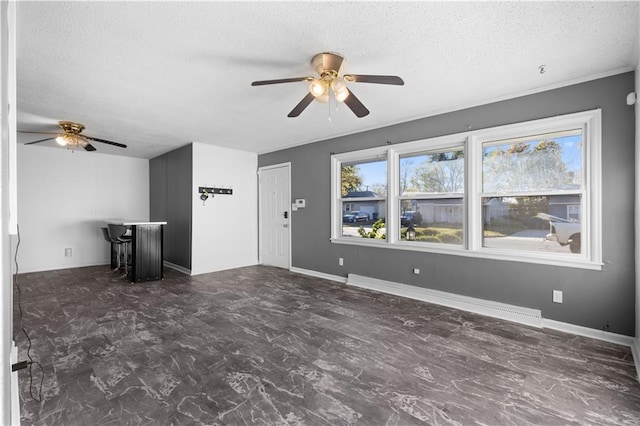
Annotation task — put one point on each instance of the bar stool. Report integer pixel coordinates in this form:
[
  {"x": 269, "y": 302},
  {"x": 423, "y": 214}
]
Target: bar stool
[
  {"x": 105, "y": 234},
  {"x": 117, "y": 236}
]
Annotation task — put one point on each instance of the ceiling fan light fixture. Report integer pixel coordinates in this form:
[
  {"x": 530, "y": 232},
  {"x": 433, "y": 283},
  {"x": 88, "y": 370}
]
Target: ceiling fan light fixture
[
  {"x": 339, "y": 87},
  {"x": 324, "y": 98},
  {"x": 317, "y": 87},
  {"x": 342, "y": 94},
  {"x": 338, "y": 84},
  {"x": 62, "y": 140}
]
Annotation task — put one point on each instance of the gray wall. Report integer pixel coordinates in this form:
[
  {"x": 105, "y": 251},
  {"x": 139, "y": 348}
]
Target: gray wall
[
  {"x": 170, "y": 177},
  {"x": 591, "y": 298}
]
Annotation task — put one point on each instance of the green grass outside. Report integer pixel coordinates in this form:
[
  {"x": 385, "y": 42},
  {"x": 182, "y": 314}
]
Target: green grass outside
[
  {"x": 451, "y": 233},
  {"x": 503, "y": 228},
  {"x": 436, "y": 234}
]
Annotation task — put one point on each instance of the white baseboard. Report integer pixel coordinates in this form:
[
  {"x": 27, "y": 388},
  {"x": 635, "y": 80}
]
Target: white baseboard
[
  {"x": 318, "y": 274},
  {"x": 593, "y": 333},
  {"x": 45, "y": 268},
  {"x": 635, "y": 351},
  {"x": 221, "y": 268},
  {"x": 176, "y": 267},
  {"x": 527, "y": 316},
  {"x": 15, "y": 394}
]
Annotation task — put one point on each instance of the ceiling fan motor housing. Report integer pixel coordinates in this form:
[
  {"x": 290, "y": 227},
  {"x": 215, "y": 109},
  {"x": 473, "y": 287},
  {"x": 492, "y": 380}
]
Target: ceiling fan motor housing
[
  {"x": 327, "y": 61},
  {"x": 71, "y": 127}
]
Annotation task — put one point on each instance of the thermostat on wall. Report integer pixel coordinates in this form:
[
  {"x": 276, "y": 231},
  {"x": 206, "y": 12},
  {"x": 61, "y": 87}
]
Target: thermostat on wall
[{"x": 300, "y": 203}]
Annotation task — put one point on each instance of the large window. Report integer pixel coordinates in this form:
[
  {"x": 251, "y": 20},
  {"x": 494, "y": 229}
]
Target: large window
[{"x": 524, "y": 192}]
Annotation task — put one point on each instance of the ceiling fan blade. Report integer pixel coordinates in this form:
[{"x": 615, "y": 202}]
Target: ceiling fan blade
[
  {"x": 88, "y": 147},
  {"x": 302, "y": 105},
  {"x": 282, "y": 80},
  {"x": 38, "y": 133},
  {"x": 378, "y": 79},
  {"x": 38, "y": 141},
  {"x": 121, "y": 145},
  {"x": 355, "y": 105}
]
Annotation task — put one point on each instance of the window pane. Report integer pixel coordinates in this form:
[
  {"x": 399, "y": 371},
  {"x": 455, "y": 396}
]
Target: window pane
[
  {"x": 547, "y": 223},
  {"x": 364, "y": 179},
  {"x": 434, "y": 220},
  {"x": 364, "y": 219},
  {"x": 432, "y": 173},
  {"x": 551, "y": 161}
]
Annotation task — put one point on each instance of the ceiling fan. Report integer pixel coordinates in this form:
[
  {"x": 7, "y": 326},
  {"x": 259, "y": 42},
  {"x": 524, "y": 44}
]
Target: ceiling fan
[
  {"x": 328, "y": 65},
  {"x": 71, "y": 137}
]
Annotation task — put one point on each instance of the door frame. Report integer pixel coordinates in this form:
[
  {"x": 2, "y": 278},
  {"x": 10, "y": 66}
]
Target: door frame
[{"x": 260, "y": 170}]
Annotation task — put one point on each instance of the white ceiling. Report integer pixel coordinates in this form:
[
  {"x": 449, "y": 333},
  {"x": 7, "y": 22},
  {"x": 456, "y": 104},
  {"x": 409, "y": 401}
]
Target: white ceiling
[{"x": 157, "y": 76}]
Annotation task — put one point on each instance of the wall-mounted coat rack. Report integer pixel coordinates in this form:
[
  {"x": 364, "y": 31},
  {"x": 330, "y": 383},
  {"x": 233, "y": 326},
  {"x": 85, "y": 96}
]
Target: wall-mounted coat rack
[{"x": 208, "y": 190}]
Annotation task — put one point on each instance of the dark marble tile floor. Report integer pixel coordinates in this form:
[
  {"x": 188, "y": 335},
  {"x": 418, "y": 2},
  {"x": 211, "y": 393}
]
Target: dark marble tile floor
[{"x": 265, "y": 346}]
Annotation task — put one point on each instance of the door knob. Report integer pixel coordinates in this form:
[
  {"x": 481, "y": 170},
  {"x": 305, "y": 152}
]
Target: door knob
[{"x": 286, "y": 215}]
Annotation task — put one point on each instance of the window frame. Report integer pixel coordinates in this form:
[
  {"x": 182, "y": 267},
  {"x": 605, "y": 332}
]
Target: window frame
[
  {"x": 591, "y": 214},
  {"x": 367, "y": 155},
  {"x": 445, "y": 143}
]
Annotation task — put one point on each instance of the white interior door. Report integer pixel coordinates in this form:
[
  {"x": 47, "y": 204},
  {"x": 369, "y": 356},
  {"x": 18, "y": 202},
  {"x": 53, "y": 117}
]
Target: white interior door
[{"x": 275, "y": 216}]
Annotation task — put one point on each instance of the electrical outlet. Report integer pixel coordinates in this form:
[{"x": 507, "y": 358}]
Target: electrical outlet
[
  {"x": 340, "y": 261},
  {"x": 557, "y": 296},
  {"x": 67, "y": 252},
  {"x": 416, "y": 271}
]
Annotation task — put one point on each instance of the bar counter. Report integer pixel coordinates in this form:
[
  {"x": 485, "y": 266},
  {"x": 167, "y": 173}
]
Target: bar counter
[{"x": 146, "y": 249}]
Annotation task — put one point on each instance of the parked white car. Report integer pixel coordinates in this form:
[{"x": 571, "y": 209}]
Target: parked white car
[{"x": 563, "y": 231}]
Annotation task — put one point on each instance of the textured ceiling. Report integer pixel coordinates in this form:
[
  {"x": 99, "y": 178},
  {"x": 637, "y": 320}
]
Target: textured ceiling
[{"x": 157, "y": 76}]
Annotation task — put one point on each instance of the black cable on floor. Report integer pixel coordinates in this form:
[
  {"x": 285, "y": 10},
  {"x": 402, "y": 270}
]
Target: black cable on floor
[{"x": 31, "y": 361}]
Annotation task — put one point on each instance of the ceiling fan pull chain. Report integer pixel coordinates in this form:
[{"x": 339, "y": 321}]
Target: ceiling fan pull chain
[{"x": 329, "y": 105}]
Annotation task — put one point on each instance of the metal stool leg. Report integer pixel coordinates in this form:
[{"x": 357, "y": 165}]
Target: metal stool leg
[
  {"x": 126, "y": 258},
  {"x": 117, "y": 257}
]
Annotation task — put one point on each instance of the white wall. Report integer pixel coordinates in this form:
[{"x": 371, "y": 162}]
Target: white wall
[
  {"x": 637, "y": 106},
  {"x": 63, "y": 198},
  {"x": 7, "y": 125},
  {"x": 225, "y": 229}
]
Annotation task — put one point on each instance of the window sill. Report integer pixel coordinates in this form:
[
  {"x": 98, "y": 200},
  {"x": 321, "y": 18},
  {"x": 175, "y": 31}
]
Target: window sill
[{"x": 493, "y": 254}]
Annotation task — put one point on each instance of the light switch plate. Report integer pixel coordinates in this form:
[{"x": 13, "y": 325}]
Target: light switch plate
[{"x": 557, "y": 296}]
